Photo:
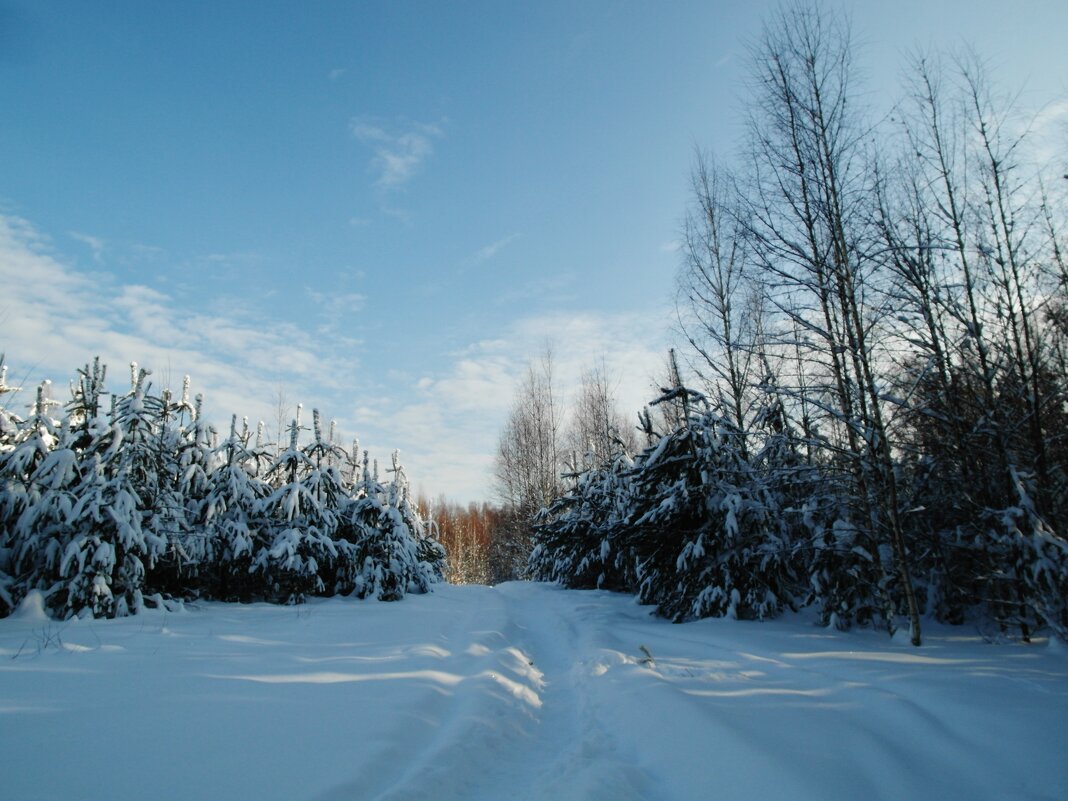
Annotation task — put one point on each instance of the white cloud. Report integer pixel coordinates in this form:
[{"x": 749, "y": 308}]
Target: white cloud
[
  {"x": 336, "y": 73},
  {"x": 54, "y": 317},
  {"x": 399, "y": 151},
  {"x": 447, "y": 426},
  {"x": 335, "y": 306},
  {"x": 489, "y": 251},
  {"x": 550, "y": 285},
  {"x": 95, "y": 244},
  {"x": 1048, "y": 134},
  {"x": 146, "y": 252},
  {"x": 117, "y": 252}
]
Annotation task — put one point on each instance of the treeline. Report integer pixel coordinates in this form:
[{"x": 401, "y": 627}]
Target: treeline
[
  {"x": 469, "y": 535},
  {"x": 877, "y": 321},
  {"x": 544, "y": 440},
  {"x": 114, "y": 501}
]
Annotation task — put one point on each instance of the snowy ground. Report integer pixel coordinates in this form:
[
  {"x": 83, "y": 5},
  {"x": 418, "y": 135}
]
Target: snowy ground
[{"x": 523, "y": 691}]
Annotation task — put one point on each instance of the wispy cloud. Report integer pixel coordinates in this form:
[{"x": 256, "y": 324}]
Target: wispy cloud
[
  {"x": 399, "y": 149},
  {"x": 336, "y": 310},
  {"x": 55, "y": 317},
  {"x": 550, "y": 286},
  {"x": 332, "y": 304},
  {"x": 489, "y": 251},
  {"x": 335, "y": 73},
  {"x": 1048, "y": 133},
  {"x": 146, "y": 252},
  {"x": 95, "y": 244}
]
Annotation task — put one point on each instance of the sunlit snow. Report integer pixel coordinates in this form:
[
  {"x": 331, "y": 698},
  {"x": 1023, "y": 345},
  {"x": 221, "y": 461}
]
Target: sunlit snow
[{"x": 524, "y": 691}]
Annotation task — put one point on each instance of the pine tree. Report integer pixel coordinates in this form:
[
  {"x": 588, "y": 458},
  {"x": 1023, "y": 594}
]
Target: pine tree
[
  {"x": 430, "y": 557},
  {"x": 578, "y": 539},
  {"x": 104, "y": 513},
  {"x": 43, "y": 530},
  {"x": 228, "y": 520},
  {"x": 9, "y": 422},
  {"x": 111, "y": 548},
  {"x": 296, "y": 526},
  {"x": 21, "y": 489}
]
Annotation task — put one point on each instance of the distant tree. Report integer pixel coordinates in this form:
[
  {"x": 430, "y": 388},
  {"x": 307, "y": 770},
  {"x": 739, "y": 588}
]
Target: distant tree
[
  {"x": 530, "y": 460},
  {"x": 466, "y": 533}
]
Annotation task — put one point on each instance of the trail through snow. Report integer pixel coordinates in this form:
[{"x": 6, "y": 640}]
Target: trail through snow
[{"x": 522, "y": 691}]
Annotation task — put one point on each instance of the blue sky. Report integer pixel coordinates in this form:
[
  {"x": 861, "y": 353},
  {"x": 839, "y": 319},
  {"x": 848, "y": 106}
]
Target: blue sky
[{"x": 382, "y": 209}]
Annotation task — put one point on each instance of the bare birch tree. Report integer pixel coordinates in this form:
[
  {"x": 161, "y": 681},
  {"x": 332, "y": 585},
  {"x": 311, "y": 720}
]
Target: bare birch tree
[
  {"x": 529, "y": 464},
  {"x": 809, "y": 225}
]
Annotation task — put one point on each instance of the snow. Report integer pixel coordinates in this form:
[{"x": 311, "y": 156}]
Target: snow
[
  {"x": 31, "y": 609},
  {"x": 522, "y": 691}
]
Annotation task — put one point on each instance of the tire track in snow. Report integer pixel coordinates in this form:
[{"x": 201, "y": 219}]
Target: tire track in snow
[
  {"x": 577, "y": 756},
  {"x": 521, "y": 723}
]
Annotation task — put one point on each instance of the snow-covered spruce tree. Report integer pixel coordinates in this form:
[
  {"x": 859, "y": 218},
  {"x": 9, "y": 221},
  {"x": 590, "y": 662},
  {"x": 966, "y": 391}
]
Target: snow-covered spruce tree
[
  {"x": 391, "y": 552},
  {"x": 43, "y": 530},
  {"x": 356, "y": 523},
  {"x": 111, "y": 548},
  {"x": 324, "y": 484},
  {"x": 37, "y": 540},
  {"x": 700, "y": 527},
  {"x": 299, "y": 529},
  {"x": 103, "y": 514},
  {"x": 23, "y": 487},
  {"x": 9, "y": 421},
  {"x": 228, "y": 520},
  {"x": 816, "y": 556},
  {"x": 181, "y": 442},
  {"x": 32, "y": 442},
  {"x": 85, "y": 411},
  {"x": 259, "y": 456},
  {"x": 431, "y": 559},
  {"x": 1024, "y": 585},
  {"x": 8, "y": 428},
  {"x": 194, "y": 458},
  {"x": 577, "y": 539}
]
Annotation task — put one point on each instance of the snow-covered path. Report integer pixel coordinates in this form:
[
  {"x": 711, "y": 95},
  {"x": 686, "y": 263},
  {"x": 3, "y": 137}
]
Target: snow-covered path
[
  {"x": 522, "y": 691},
  {"x": 527, "y": 728}
]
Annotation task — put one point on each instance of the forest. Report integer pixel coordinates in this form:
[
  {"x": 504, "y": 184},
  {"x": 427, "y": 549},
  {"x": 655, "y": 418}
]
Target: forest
[
  {"x": 867, "y": 412},
  {"x": 137, "y": 501},
  {"x": 869, "y": 416}
]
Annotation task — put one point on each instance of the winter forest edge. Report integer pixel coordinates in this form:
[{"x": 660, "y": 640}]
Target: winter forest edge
[
  {"x": 867, "y": 417},
  {"x": 104, "y": 511}
]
